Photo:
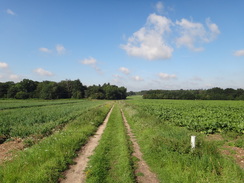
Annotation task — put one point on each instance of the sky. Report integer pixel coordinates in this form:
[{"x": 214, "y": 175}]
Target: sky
[{"x": 139, "y": 44}]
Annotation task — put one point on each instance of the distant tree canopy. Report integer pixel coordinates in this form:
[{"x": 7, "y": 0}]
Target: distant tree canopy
[
  {"x": 210, "y": 94},
  {"x": 60, "y": 90}
]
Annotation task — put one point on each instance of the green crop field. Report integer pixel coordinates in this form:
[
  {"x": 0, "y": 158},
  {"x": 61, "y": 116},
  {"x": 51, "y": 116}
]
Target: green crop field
[
  {"x": 22, "y": 119},
  {"x": 162, "y": 129},
  {"x": 201, "y": 116}
]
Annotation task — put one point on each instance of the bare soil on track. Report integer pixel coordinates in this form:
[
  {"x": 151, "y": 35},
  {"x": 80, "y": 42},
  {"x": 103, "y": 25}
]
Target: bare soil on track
[
  {"x": 142, "y": 172},
  {"x": 76, "y": 172}
]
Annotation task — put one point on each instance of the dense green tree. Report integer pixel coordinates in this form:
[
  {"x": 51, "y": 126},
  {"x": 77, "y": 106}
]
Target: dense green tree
[
  {"x": 13, "y": 90},
  {"x": 95, "y": 92},
  {"x": 4, "y": 87},
  {"x": 28, "y": 85},
  {"x": 63, "y": 89},
  {"x": 45, "y": 90},
  {"x": 22, "y": 95},
  {"x": 210, "y": 94},
  {"x": 78, "y": 90},
  {"x": 130, "y": 93}
]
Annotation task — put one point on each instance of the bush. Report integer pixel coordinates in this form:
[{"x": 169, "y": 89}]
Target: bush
[{"x": 22, "y": 95}]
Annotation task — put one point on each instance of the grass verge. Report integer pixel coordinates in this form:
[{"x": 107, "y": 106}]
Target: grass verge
[
  {"x": 112, "y": 161},
  {"x": 167, "y": 150},
  {"x": 45, "y": 161}
]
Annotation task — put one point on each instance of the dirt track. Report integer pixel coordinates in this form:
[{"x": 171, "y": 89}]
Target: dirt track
[
  {"x": 76, "y": 172},
  {"x": 142, "y": 168}
]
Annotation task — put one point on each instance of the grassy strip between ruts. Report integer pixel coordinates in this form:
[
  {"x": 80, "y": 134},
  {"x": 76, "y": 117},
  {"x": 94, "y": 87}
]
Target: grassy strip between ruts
[
  {"x": 166, "y": 149},
  {"x": 45, "y": 161},
  {"x": 112, "y": 161}
]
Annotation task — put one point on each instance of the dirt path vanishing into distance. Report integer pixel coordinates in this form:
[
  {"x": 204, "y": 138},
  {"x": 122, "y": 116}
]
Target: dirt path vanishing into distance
[
  {"x": 142, "y": 172},
  {"x": 76, "y": 172}
]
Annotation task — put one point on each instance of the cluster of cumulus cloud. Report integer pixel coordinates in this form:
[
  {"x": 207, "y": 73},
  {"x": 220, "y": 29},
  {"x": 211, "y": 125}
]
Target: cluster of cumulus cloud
[
  {"x": 156, "y": 39},
  {"x": 6, "y": 73}
]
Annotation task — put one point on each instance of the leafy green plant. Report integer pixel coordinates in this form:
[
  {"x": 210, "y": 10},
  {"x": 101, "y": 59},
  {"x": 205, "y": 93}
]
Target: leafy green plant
[{"x": 207, "y": 117}]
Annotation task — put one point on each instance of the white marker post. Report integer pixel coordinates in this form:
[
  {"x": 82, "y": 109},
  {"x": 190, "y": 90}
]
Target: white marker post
[{"x": 193, "y": 142}]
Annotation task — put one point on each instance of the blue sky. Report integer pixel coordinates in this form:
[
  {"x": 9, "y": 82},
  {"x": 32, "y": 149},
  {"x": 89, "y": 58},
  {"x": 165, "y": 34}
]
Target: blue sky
[{"x": 139, "y": 44}]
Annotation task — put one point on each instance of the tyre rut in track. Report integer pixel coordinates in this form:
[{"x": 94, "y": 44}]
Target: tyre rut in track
[
  {"x": 76, "y": 172},
  {"x": 141, "y": 168}
]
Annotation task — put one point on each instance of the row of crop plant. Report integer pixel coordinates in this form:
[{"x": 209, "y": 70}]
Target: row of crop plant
[
  {"x": 40, "y": 120},
  {"x": 13, "y": 103},
  {"x": 46, "y": 160},
  {"x": 202, "y": 116}
]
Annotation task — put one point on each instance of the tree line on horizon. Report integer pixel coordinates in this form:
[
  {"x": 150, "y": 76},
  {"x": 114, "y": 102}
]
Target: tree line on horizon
[
  {"x": 215, "y": 93},
  {"x": 28, "y": 89}
]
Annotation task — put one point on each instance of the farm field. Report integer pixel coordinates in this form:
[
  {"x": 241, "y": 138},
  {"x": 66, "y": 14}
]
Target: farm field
[
  {"x": 12, "y": 104},
  {"x": 201, "y": 116},
  {"x": 162, "y": 129},
  {"x": 39, "y": 118},
  {"x": 165, "y": 142},
  {"x": 44, "y": 160}
]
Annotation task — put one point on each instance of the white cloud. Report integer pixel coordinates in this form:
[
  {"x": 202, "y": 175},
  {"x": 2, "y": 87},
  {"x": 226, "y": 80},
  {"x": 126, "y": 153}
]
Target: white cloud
[
  {"x": 214, "y": 30},
  {"x": 166, "y": 76},
  {"x": 195, "y": 33},
  {"x": 137, "y": 78},
  {"x": 3, "y": 65},
  {"x": 159, "y": 7},
  {"x": 43, "y": 72},
  {"x": 239, "y": 53},
  {"x": 45, "y": 50},
  {"x": 7, "y": 74},
  {"x": 10, "y": 12},
  {"x": 89, "y": 61},
  {"x": 14, "y": 77},
  {"x": 124, "y": 70},
  {"x": 117, "y": 76},
  {"x": 60, "y": 49},
  {"x": 148, "y": 42},
  {"x": 93, "y": 63}
]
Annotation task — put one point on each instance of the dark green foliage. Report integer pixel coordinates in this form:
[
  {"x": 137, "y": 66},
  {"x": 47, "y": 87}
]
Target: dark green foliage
[
  {"x": 107, "y": 91},
  {"x": 65, "y": 89},
  {"x": 210, "y": 94},
  {"x": 4, "y": 87},
  {"x": 22, "y": 95},
  {"x": 202, "y": 116}
]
